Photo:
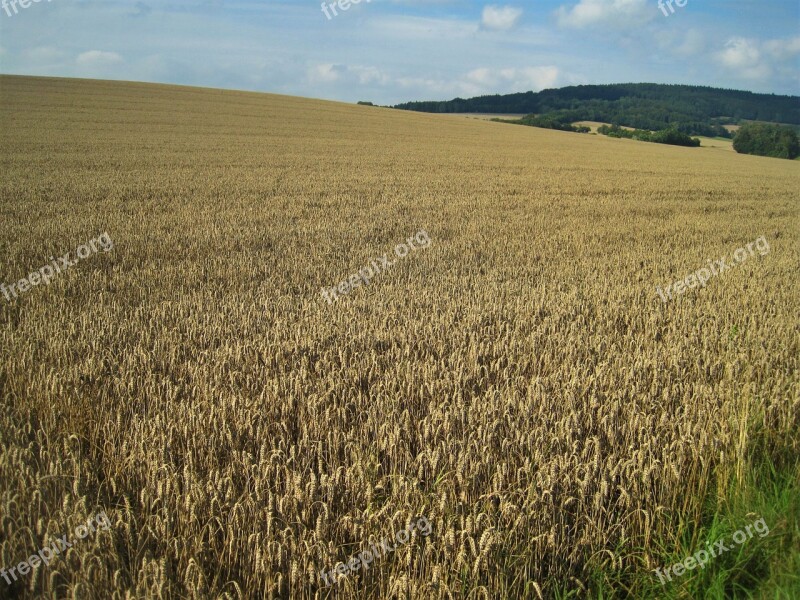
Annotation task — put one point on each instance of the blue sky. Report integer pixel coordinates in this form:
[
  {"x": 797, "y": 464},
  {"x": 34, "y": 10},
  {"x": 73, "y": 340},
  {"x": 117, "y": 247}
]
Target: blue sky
[{"x": 390, "y": 51}]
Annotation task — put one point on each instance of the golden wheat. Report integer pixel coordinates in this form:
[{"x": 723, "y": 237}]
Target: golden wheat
[{"x": 519, "y": 383}]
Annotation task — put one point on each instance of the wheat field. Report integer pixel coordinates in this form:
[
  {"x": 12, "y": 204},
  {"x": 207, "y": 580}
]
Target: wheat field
[{"x": 519, "y": 382}]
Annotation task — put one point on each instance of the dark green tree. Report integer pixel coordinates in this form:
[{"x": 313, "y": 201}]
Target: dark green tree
[{"x": 764, "y": 139}]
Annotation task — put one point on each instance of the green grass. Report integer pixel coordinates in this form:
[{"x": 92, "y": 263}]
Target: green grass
[{"x": 761, "y": 567}]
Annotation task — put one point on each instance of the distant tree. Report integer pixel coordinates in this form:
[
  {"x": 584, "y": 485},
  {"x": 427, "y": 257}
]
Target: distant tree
[
  {"x": 764, "y": 139},
  {"x": 665, "y": 136},
  {"x": 362, "y": 103},
  {"x": 558, "y": 121},
  {"x": 674, "y": 137}
]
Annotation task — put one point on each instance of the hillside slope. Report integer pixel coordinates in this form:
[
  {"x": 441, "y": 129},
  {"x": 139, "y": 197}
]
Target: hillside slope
[{"x": 517, "y": 382}]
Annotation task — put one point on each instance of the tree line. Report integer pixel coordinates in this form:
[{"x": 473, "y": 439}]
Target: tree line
[{"x": 693, "y": 110}]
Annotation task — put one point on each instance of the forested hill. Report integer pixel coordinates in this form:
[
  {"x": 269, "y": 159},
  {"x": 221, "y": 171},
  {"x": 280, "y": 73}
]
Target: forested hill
[{"x": 641, "y": 105}]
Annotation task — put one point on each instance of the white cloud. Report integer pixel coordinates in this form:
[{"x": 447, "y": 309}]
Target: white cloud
[
  {"x": 325, "y": 73},
  {"x": 328, "y": 78},
  {"x": 422, "y": 87},
  {"x": 616, "y": 13},
  {"x": 739, "y": 53},
  {"x": 783, "y": 49},
  {"x": 370, "y": 75},
  {"x": 345, "y": 74},
  {"x": 512, "y": 79},
  {"x": 98, "y": 59},
  {"x": 755, "y": 60},
  {"x": 500, "y": 17},
  {"x": 482, "y": 76},
  {"x": 744, "y": 57}
]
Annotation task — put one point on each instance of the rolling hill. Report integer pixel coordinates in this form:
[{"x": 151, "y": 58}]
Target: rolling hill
[{"x": 691, "y": 109}]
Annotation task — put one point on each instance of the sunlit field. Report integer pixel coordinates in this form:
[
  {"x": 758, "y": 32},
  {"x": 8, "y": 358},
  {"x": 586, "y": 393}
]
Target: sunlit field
[{"x": 518, "y": 383}]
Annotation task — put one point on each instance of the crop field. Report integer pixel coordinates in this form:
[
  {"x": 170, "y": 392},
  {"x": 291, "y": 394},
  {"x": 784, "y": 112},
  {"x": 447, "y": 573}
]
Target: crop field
[{"x": 513, "y": 393}]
